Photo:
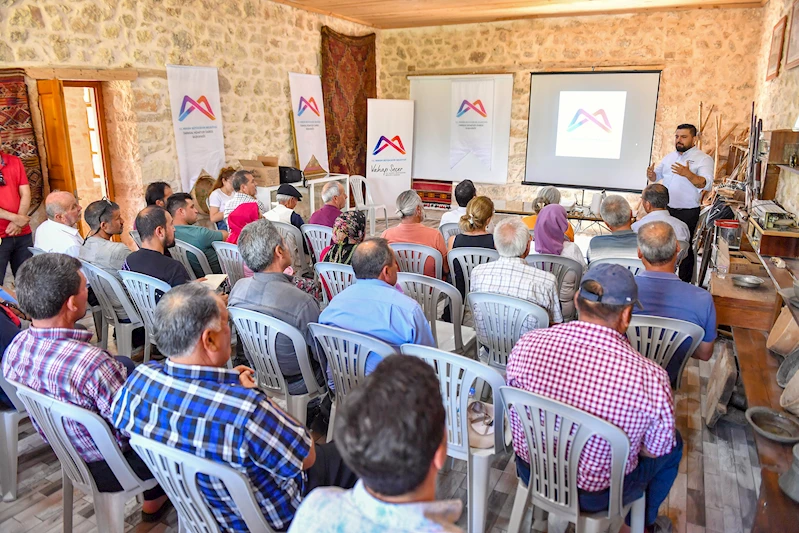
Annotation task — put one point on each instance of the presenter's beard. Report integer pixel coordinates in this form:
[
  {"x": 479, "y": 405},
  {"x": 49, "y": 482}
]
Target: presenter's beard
[{"x": 681, "y": 148}]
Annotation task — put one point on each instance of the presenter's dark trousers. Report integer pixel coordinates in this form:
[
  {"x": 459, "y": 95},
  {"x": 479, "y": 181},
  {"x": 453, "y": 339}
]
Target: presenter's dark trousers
[{"x": 691, "y": 218}]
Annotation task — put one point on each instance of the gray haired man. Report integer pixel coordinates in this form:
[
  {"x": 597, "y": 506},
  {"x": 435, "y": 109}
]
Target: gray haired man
[
  {"x": 283, "y": 211},
  {"x": 622, "y": 243},
  {"x": 334, "y": 198},
  {"x": 245, "y": 189}
]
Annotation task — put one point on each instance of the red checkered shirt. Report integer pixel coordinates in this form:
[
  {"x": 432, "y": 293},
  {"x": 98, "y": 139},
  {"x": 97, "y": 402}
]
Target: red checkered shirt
[
  {"x": 594, "y": 368},
  {"x": 61, "y": 363}
]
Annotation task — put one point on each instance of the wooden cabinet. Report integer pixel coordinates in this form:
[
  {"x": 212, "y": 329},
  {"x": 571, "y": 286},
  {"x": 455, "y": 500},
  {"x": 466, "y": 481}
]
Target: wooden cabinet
[{"x": 769, "y": 168}]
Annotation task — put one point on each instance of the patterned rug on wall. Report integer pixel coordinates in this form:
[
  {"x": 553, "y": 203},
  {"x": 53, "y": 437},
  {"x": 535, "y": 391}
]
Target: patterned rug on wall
[
  {"x": 16, "y": 130},
  {"x": 435, "y": 194},
  {"x": 349, "y": 78}
]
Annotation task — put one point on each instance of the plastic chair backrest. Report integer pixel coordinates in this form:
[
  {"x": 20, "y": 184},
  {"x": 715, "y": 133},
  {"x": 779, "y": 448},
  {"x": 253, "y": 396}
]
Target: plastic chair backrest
[
  {"x": 50, "y": 416},
  {"x": 36, "y": 251},
  {"x": 107, "y": 288},
  {"x": 633, "y": 265},
  {"x": 318, "y": 237},
  {"x": 230, "y": 261},
  {"x": 555, "y": 435},
  {"x": 259, "y": 333},
  {"x": 177, "y": 472},
  {"x": 293, "y": 239},
  {"x": 135, "y": 236},
  {"x": 412, "y": 257},
  {"x": 346, "y": 353},
  {"x": 468, "y": 258},
  {"x": 335, "y": 276},
  {"x": 657, "y": 338},
  {"x": 11, "y": 391},
  {"x": 456, "y": 375},
  {"x": 145, "y": 291},
  {"x": 499, "y": 322},
  {"x": 181, "y": 252},
  {"x": 427, "y": 291},
  {"x": 684, "y": 247},
  {"x": 558, "y": 266},
  {"x": 358, "y": 184},
  {"x": 448, "y": 230}
]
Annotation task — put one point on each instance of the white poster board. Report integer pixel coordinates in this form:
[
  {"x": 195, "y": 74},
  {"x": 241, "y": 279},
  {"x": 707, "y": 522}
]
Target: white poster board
[
  {"x": 462, "y": 127},
  {"x": 308, "y": 112},
  {"x": 389, "y": 143},
  {"x": 197, "y": 121}
]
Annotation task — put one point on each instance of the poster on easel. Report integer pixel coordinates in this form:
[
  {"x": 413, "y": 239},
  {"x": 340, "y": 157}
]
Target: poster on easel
[
  {"x": 472, "y": 125},
  {"x": 308, "y": 123},
  {"x": 197, "y": 121},
  {"x": 389, "y": 143}
]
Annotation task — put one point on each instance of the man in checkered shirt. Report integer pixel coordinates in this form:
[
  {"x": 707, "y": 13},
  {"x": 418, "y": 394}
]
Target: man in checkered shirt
[
  {"x": 589, "y": 364},
  {"x": 194, "y": 403}
]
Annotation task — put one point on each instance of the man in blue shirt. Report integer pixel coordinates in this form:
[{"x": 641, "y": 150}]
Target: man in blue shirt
[
  {"x": 373, "y": 306},
  {"x": 662, "y": 293}
]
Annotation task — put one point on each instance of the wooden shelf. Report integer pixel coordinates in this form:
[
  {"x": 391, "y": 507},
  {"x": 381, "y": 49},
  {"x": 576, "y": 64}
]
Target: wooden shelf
[{"x": 795, "y": 170}]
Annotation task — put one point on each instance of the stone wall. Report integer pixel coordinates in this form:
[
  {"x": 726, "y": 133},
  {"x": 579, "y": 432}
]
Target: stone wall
[{"x": 705, "y": 54}]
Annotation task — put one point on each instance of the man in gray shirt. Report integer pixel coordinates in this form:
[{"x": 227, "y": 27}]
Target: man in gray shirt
[
  {"x": 622, "y": 243},
  {"x": 273, "y": 293}
]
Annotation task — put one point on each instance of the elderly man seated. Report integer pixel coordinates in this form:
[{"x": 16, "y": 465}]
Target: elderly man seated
[
  {"x": 655, "y": 201},
  {"x": 335, "y": 199},
  {"x": 184, "y": 217},
  {"x": 590, "y": 365},
  {"x": 245, "y": 189},
  {"x": 201, "y": 407},
  {"x": 283, "y": 210},
  {"x": 157, "y": 234},
  {"x": 59, "y": 232},
  {"x": 510, "y": 275},
  {"x": 55, "y": 358},
  {"x": 661, "y": 292},
  {"x": 411, "y": 229},
  {"x": 622, "y": 243},
  {"x": 396, "y": 448},
  {"x": 271, "y": 292}
]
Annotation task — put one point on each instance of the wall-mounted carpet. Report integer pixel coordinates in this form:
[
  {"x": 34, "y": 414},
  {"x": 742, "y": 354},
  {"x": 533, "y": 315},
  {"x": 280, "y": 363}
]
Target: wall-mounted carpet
[
  {"x": 349, "y": 78},
  {"x": 16, "y": 130}
]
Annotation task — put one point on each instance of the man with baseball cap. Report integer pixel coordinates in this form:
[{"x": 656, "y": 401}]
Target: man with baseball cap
[
  {"x": 283, "y": 211},
  {"x": 589, "y": 364}
]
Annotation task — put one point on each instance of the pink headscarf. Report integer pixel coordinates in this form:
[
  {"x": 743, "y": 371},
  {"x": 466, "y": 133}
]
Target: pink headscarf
[{"x": 550, "y": 226}]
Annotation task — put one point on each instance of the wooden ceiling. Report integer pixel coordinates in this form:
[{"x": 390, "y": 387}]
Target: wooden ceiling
[{"x": 415, "y": 13}]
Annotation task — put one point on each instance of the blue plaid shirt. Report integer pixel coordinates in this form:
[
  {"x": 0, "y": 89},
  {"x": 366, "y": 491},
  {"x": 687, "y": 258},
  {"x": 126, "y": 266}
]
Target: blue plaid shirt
[{"x": 205, "y": 411}]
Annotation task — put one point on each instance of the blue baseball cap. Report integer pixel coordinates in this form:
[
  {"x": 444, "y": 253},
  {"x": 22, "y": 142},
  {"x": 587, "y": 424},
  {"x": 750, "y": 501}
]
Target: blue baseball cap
[{"x": 618, "y": 285}]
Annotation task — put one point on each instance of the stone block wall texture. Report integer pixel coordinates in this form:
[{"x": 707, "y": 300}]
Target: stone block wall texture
[{"x": 706, "y": 55}]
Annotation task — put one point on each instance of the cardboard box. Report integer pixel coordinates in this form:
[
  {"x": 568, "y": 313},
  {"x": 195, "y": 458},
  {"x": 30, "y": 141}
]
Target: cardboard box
[
  {"x": 264, "y": 169},
  {"x": 742, "y": 263}
]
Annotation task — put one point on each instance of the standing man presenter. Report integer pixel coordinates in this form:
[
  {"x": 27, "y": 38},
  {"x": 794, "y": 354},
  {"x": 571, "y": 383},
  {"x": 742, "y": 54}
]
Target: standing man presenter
[{"x": 685, "y": 172}]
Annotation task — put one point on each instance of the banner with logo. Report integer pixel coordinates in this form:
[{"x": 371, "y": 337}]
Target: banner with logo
[
  {"x": 197, "y": 120},
  {"x": 389, "y": 141},
  {"x": 308, "y": 114},
  {"x": 472, "y": 124}
]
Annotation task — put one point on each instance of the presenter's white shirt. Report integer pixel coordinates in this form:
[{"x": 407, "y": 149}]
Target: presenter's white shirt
[
  {"x": 680, "y": 228},
  {"x": 58, "y": 238},
  {"x": 682, "y": 193},
  {"x": 452, "y": 216}
]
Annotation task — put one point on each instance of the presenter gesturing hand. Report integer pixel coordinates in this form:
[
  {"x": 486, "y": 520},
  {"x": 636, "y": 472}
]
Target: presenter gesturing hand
[
  {"x": 685, "y": 172},
  {"x": 650, "y": 172}
]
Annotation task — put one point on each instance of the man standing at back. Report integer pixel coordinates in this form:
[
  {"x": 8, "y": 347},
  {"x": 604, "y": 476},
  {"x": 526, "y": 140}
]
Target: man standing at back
[
  {"x": 464, "y": 192},
  {"x": 58, "y": 233},
  {"x": 622, "y": 243},
  {"x": 15, "y": 200},
  {"x": 157, "y": 234},
  {"x": 184, "y": 216},
  {"x": 334, "y": 198}
]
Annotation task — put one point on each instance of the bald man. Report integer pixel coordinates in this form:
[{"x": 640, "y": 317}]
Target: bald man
[{"x": 58, "y": 233}]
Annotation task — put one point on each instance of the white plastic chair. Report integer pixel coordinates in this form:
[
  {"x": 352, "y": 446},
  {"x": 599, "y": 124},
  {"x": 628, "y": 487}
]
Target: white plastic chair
[
  {"x": 468, "y": 258},
  {"x": 335, "y": 278},
  {"x": 633, "y": 265},
  {"x": 683, "y": 253},
  {"x": 450, "y": 337},
  {"x": 108, "y": 289},
  {"x": 293, "y": 239},
  {"x": 412, "y": 257},
  {"x": 181, "y": 252},
  {"x": 259, "y": 332},
  {"x": 318, "y": 237},
  {"x": 448, "y": 230},
  {"x": 456, "y": 375},
  {"x": 553, "y": 468},
  {"x": 177, "y": 472},
  {"x": 135, "y": 236},
  {"x": 558, "y": 266},
  {"x": 109, "y": 507},
  {"x": 9, "y": 440},
  {"x": 230, "y": 261},
  {"x": 358, "y": 185},
  {"x": 500, "y": 321},
  {"x": 36, "y": 251},
  {"x": 346, "y": 353},
  {"x": 145, "y": 291},
  {"x": 657, "y": 338}
]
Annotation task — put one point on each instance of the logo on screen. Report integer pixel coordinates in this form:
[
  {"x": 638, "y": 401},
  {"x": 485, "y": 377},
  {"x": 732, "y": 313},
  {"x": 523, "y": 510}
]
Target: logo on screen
[
  {"x": 310, "y": 103},
  {"x": 583, "y": 117},
  {"x": 201, "y": 105},
  {"x": 384, "y": 142},
  {"x": 477, "y": 107}
]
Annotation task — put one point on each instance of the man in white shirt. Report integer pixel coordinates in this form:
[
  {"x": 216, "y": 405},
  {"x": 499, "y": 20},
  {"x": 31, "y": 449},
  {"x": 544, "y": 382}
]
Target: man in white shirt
[
  {"x": 464, "y": 192},
  {"x": 655, "y": 201},
  {"x": 58, "y": 233},
  {"x": 283, "y": 211},
  {"x": 686, "y": 172}
]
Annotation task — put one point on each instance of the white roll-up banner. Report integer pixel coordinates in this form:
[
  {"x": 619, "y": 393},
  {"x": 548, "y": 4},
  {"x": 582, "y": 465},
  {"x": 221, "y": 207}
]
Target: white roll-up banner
[
  {"x": 389, "y": 143},
  {"x": 308, "y": 110}
]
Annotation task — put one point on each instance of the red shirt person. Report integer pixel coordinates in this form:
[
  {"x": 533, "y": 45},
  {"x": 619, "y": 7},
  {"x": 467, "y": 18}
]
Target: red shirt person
[{"x": 15, "y": 200}]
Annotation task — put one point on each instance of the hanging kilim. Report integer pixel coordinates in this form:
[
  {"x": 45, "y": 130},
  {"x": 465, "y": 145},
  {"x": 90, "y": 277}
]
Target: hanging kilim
[
  {"x": 16, "y": 130},
  {"x": 435, "y": 194}
]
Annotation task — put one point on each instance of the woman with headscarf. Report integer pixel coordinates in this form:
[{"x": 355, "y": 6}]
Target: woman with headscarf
[
  {"x": 547, "y": 196},
  {"x": 349, "y": 230},
  {"x": 550, "y": 228}
]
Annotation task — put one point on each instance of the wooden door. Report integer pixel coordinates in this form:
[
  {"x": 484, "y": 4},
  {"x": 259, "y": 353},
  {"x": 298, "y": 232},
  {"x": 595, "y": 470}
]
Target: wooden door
[{"x": 56, "y": 136}]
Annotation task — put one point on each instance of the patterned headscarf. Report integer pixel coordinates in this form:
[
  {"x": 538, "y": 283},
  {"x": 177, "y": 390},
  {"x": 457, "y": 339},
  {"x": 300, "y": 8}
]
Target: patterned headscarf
[{"x": 348, "y": 232}]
